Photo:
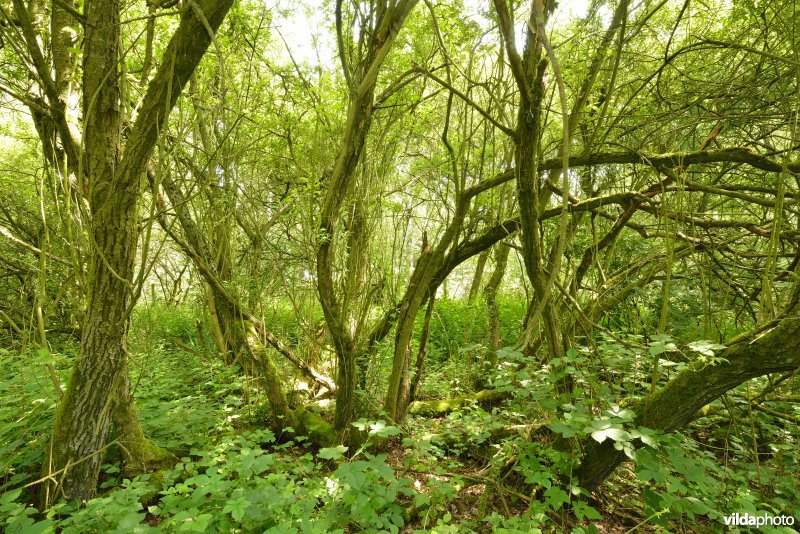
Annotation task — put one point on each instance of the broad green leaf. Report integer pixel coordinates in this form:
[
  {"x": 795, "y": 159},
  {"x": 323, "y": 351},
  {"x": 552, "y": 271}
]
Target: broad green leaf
[{"x": 332, "y": 453}]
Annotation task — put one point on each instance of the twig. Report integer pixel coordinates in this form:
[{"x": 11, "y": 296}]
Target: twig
[{"x": 64, "y": 469}]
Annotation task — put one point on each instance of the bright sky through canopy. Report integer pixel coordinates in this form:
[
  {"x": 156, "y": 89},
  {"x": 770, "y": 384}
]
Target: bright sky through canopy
[{"x": 308, "y": 33}]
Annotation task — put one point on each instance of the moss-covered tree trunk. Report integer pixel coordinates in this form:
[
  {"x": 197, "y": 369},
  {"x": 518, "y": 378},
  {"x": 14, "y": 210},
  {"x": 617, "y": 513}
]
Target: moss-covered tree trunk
[
  {"x": 98, "y": 384},
  {"x": 420, "y": 288},
  {"x": 243, "y": 332},
  {"x": 84, "y": 415},
  {"x": 268, "y": 375},
  {"x": 773, "y": 349},
  {"x": 358, "y": 123},
  {"x": 422, "y": 351},
  {"x": 528, "y": 69},
  {"x": 361, "y": 72}
]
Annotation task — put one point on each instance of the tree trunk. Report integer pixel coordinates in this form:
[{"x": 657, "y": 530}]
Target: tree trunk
[
  {"x": 421, "y": 287},
  {"x": 422, "y": 352},
  {"x": 772, "y": 349},
  {"x": 98, "y": 381},
  {"x": 268, "y": 375},
  {"x": 528, "y": 70},
  {"x": 490, "y": 293},
  {"x": 477, "y": 278},
  {"x": 333, "y": 308},
  {"x": 84, "y": 415},
  {"x": 362, "y": 77}
]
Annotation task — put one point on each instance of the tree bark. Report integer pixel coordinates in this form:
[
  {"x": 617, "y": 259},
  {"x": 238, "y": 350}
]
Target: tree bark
[
  {"x": 362, "y": 79},
  {"x": 84, "y": 415},
  {"x": 490, "y": 294},
  {"x": 477, "y": 278},
  {"x": 772, "y": 349},
  {"x": 196, "y": 247},
  {"x": 421, "y": 287},
  {"x": 93, "y": 394}
]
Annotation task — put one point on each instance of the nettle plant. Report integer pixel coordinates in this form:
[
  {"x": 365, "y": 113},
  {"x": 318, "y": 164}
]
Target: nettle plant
[
  {"x": 244, "y": 483},
  {"x": 545, "y": 457}
]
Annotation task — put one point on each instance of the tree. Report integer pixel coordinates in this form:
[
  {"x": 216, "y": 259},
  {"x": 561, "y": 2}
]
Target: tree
[
  {"x": 98, "y": 389},
  {"x": 628, "y": 176},
  {"x": 361, "y": 73}
]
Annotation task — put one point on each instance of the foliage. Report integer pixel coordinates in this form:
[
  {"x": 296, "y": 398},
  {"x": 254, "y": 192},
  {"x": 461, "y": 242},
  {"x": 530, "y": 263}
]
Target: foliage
[{"x": 330, "y": 169}]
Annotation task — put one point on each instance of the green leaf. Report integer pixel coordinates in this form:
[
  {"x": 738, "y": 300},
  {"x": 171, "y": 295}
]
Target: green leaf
[
  {"x": 705, "y": 347},
  {"x": 561, "y": 428},
  {"x": 197, "y": 524},
  {"x": 10, "y": 496},
  {"x": 332, "y": 453},
  {"x": 39, "y": 527},
  {"x": 584, "y": 511},
  {"x": 556, "y": 497},
  {"x": 540, "y": 478},
  {"x": 644, "y": 438},
  {"x": 129, "y": 521},
  {"x": 616, "y": 434},
  {"x": 263, "y": 463},
  {"x": 236, "y": 507},
  {"x": 381, "y": 429}
]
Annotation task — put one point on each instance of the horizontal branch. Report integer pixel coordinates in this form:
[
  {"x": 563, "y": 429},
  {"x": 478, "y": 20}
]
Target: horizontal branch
[
  {"x": 497, "y": 233},
  {"x": 676, "y": 159},
  {"x": 725, "y": 155}
]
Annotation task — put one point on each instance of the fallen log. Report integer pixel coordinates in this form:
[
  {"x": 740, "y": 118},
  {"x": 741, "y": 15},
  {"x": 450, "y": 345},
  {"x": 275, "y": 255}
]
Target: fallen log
[{"x": 486, "y": 397}]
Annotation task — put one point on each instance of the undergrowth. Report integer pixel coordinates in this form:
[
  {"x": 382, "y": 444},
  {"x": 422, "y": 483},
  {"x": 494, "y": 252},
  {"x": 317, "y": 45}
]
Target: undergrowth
[{"x": 503, "y": 468}]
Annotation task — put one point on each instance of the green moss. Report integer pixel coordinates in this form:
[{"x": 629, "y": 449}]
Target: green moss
[
  {"x": 317, "y": 429},
  {"x": 445, "y": 406}
]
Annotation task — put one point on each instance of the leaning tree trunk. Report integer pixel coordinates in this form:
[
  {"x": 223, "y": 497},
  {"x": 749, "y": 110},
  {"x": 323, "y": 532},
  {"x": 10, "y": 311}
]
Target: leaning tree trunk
[
  {"x": 244, "y": 332},
  {"x": 775, "y": 348},
  {"x": 84, "y": 415},
  {"x": 420, "y": 287},
  {"x": 268, "y": 375}
]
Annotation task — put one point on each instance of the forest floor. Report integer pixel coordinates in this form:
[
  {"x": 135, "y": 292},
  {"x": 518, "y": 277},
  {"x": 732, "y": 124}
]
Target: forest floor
[{"x": 233, "y": 475}]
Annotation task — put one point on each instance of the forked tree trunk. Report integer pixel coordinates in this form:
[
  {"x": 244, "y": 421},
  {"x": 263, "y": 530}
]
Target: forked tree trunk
[
  {"x": 362, "y": 77},
  {"x": 528, "y": 70},
  {"x": 98, "y": 385},
  {"x": 244, "y": 331}
]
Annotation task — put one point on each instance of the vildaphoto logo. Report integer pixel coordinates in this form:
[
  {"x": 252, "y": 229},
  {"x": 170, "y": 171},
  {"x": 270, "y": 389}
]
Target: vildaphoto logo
[{"x": 748, "y": 520}]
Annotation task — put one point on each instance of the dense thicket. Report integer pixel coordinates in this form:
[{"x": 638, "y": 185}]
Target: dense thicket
[{"x": 398, "y": 264}]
